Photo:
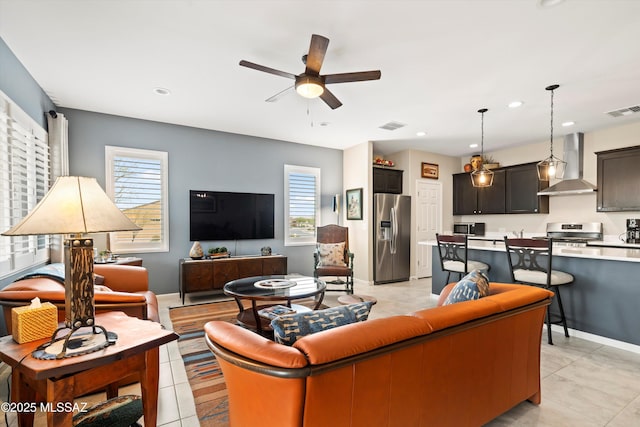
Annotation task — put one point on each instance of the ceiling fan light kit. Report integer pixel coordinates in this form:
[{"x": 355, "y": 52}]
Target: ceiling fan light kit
[
  {"x": 482, "y": 177},
  {"x": 310, "y": 84},
  {"x": 551, "y": 166}
]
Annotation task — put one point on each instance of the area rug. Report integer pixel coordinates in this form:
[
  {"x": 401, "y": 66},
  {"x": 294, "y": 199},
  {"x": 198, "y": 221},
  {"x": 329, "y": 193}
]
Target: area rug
[{"x": 205, "y": 378}]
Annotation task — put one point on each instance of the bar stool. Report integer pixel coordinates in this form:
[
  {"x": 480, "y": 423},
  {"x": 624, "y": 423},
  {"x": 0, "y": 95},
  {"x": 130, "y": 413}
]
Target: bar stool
[
  {"x": 527, "y": 266},
  {"x": 453, "y": 256}
]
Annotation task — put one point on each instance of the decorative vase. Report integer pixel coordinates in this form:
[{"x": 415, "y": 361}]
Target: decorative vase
[{"x": 196, "y": 251}]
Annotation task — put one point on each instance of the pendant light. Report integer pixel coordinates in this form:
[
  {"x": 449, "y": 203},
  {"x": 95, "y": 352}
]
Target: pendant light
[
  {"x": 482, "y": 177},
  {"x": 551, "y": 166}
]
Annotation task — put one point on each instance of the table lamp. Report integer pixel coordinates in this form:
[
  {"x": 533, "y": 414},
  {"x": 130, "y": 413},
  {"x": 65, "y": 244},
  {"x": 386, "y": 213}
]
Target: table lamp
[{"x": 74, "y": 206}]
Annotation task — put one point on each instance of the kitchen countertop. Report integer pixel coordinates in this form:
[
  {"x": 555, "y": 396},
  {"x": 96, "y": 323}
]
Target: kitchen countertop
[{"x": 624, "y": 252}]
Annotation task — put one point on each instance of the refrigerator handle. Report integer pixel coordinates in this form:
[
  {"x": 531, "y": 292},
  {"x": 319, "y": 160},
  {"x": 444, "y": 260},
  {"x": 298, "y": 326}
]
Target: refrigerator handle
[{"x": 394, "y": 230}]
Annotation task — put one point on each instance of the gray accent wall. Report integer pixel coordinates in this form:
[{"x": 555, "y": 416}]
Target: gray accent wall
[
  {"x": 19, "y": 85},
  {"x": 205, "y": 160}
]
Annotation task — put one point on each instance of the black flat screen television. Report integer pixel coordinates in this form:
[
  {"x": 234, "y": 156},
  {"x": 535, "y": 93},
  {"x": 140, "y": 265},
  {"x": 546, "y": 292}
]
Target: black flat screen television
[{"x": 219, "y": 215}]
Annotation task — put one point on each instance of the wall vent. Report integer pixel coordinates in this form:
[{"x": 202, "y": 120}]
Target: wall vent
[
  {"x": 392, "y": 125},
  {"x": 624, "y": 111}
]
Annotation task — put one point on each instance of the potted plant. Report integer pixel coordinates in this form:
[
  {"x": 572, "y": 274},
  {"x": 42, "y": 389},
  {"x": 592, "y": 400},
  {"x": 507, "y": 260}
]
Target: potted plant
[{"x": 218, "y": 252}]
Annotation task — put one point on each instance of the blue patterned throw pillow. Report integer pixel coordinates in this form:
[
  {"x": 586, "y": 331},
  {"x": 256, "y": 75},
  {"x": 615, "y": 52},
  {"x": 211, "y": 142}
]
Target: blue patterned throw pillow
[
  {"x": 473, "y": 286},
  {"x": 289, "y": 328}
]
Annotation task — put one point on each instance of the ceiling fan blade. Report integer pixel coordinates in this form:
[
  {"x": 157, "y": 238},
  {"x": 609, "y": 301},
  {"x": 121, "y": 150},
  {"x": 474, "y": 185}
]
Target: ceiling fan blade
[
  {"x": 279, "y": 95},
  {"x": 352, "y": 77},
  {"x": 330, "y": 99},
  {"x": 317, "y": 49},
  {"x": 267, "y": 69}
]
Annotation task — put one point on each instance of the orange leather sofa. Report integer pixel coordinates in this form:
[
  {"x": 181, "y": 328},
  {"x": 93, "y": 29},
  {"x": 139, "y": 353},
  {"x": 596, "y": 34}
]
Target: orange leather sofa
[
  {"x": 456, "y": 365},
  {"x": 125, "y": 288}
]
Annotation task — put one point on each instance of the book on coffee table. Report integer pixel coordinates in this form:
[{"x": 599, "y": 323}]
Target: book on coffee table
[{"x": 275, "y": 311}]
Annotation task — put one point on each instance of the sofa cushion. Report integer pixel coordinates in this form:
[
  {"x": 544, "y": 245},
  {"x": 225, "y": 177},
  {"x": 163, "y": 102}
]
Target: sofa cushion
[
  {"x": 331, "y": 254},
  {"x": 472, "y": 286},
  {"x": 287, "y": 329}
]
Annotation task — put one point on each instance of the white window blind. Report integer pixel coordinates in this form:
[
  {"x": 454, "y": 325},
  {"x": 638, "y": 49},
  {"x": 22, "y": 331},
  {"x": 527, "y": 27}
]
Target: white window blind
[
  {"x": 137, "y": 183},
  {"x": 24, "y": 180},
  {"x": 302, "y": 204}
]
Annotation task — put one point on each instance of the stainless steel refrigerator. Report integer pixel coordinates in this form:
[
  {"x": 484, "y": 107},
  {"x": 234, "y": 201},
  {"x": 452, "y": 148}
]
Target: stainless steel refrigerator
[{"x": 392, "y": 237}]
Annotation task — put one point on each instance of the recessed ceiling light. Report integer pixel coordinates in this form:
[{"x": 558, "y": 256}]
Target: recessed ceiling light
[
  {"x": 421, "y": 133},
  {"x": 324, "y": 123},
  {"x": 515, "y": 104},
  {"x": 565, "y": 124},
  {"x": 549, "y": 3},
  {"x": 473, "y": 145},
  {"x": 161, "y": 91}
]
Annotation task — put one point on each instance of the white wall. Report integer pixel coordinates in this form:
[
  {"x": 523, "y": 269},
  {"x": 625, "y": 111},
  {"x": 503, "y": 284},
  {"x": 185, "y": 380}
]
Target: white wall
[{"x": 358, "y": 173}]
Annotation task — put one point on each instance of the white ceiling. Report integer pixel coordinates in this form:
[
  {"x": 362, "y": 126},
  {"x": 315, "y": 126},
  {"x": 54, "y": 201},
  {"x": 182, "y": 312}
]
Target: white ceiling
[{"x": 440, "y": 60}]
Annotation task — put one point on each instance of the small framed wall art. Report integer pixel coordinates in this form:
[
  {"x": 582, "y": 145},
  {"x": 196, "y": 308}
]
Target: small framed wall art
[
  {"x": 354, "y": 203},
  {"x": 430, "y": 170}
]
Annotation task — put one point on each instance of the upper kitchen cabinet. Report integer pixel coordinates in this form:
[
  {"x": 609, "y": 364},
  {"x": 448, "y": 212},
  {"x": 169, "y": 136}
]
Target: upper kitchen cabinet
[
  {"x": 470, "y": 200},
  {"x": 387, "y": 180},
  {"x": 522, "y": 186},
  {"x": 618, "y": 178}
]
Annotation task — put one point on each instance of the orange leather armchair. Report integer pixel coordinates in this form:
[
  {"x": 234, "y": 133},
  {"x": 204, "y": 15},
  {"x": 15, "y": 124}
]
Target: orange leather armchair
[{"x": 124, "y": 288}]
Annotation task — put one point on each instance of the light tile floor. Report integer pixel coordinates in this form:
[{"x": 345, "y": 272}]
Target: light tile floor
[{"x": 583, "y": 383}]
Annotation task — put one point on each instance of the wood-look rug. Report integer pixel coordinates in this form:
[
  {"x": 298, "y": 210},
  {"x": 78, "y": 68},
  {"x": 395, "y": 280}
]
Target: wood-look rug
[{"x": 206, "y": 379}]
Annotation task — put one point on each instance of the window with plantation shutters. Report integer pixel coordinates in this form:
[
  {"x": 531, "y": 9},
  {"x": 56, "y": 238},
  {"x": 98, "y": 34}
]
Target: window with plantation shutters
[
  {"x": 24, "y": 180},
  {"x": 137, "y": 184},
  {"x": 302, "y": 204}
]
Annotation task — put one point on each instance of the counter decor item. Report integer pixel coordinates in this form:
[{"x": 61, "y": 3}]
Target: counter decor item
[
  {"x": 265, "y": 250},
  {"x": 489, "y": 162},
  {"x": 196, "y": 251},
  {"x": 379, "y": 161}
]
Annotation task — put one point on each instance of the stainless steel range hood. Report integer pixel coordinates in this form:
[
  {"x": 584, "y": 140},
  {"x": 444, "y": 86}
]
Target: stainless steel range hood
[{"x": 572, "y": 182}]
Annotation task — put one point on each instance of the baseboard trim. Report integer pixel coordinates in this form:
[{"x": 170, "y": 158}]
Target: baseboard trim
[{"x": 596, "y": 338}]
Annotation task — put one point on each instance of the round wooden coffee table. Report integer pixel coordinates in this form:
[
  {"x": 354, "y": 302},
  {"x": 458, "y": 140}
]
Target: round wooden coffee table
[{"x": 270, "y": 290}]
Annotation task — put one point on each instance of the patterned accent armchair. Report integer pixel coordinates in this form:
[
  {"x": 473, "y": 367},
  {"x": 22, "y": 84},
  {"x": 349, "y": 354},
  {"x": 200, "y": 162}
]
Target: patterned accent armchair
[{"x": 333, "y": 258}]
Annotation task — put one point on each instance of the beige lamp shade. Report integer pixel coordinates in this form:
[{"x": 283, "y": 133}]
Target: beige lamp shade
[{"x": 74, "y": 204}]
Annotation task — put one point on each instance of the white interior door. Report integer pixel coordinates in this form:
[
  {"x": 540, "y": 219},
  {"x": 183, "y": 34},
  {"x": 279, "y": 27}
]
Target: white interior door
[{"x": 428, "y": 222}]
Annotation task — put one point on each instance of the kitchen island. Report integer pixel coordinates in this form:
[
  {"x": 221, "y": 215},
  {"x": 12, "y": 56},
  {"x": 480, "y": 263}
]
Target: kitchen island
[{"x": 603, "y": 299}]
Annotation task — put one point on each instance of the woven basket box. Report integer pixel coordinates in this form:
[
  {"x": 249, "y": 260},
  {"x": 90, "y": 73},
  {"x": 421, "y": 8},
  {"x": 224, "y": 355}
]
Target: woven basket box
[{"x": 30, "y": 324}]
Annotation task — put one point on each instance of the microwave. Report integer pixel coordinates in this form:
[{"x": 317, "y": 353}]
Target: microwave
[{"x": 469, "y": 228}]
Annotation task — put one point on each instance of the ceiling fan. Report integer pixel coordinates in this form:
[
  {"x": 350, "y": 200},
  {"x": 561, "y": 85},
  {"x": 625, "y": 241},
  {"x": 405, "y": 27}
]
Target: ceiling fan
[{"x": 310, "y": 83}]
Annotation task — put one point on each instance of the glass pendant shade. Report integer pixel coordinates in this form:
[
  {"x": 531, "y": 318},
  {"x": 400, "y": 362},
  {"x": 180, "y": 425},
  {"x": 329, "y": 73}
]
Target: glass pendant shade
[
  {"x": 482, "y": 177},
  {"x": 551, "y": 167}
]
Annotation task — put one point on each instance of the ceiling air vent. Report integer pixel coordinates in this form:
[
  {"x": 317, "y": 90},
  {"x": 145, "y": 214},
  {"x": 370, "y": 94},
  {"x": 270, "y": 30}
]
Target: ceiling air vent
[
  {"x": 392, "y": 125},
  {"x": 624, "y": 111}
]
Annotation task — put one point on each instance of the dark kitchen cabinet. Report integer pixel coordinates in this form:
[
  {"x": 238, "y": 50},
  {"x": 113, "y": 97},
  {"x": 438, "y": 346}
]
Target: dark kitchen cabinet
[
  {"x": 618, "y": 180},
  {"x": 387, "y": 181},
  {"x": 521, "y": 192},
  {"x": 470, "y": 200}
]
